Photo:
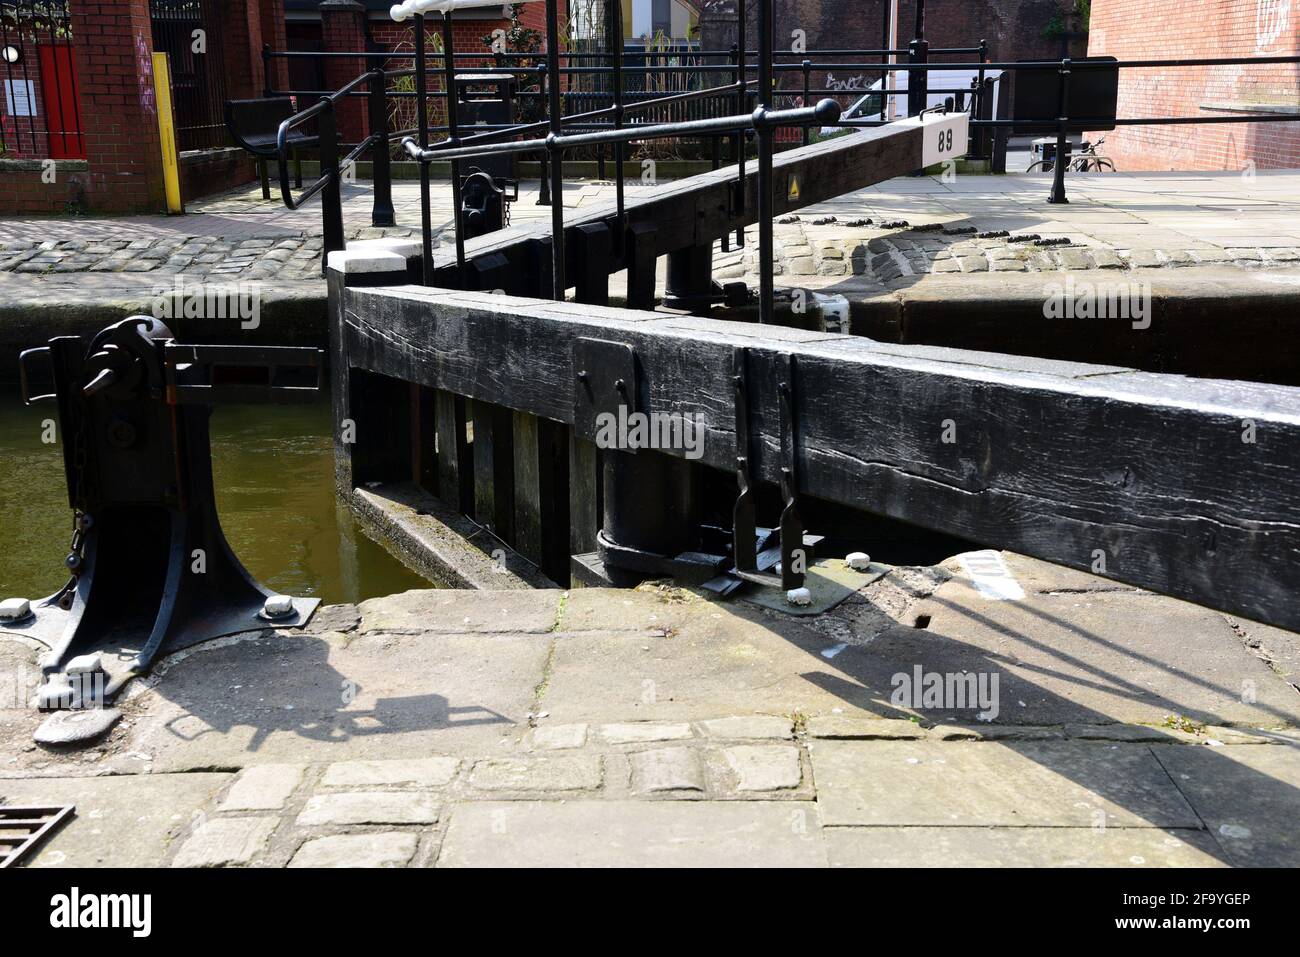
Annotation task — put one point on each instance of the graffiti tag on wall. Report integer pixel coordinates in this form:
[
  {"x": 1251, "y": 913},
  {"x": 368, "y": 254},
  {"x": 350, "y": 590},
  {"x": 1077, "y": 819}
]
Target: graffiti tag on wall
[{"x": 1272, "y": 22}]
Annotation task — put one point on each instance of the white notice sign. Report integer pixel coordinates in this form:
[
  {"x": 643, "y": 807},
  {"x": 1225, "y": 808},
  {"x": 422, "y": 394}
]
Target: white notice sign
[
  {"x": 20, "y": 97},
  {"x": 945, "y": 136}
]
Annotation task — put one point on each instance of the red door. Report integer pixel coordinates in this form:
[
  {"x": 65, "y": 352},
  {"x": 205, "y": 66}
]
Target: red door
[{"x": 59, "y": 97}]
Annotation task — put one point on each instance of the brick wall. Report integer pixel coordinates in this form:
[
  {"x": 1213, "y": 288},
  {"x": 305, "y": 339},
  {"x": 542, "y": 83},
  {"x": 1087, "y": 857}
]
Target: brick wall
[
  {"x": 112, "y": 43},
  {"x": 468, "y": 36},
  {"x": 343, "y": 29},
  {"x": 113, "y": 46},
  {"x": 1155, "y": 29},
  {"x": 274, "y": 34},
  {"x": 206, "y": 172},
  {"x": 532, "y": 16},
  {"x": 23, "y": 192},
  {"x": 241, "y": 27}
]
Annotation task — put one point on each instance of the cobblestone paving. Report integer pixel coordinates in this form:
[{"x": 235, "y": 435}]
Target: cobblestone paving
[
  {"x": 885, "y": 254},
  {"x": 237, "y": 236},
  {"x": 911, "y": 226}
]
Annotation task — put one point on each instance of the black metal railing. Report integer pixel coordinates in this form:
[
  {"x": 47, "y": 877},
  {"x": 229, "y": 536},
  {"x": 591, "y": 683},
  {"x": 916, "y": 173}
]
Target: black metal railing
[
  {"x": 190, "y": 32},
  {"x": 39, "y": 114},
  {"x": 731, "y": 112},
  {"x": 637, "y": 65}
]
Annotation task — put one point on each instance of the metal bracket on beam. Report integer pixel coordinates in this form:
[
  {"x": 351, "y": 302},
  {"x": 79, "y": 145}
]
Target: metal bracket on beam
[
  {"x": 605, "y": 380},
  {"x": 794, "y": 557},
  {"x": 490, "y": 273},
  {"x": 744, "y": 546},
  {"x": 793, "y": 547}
]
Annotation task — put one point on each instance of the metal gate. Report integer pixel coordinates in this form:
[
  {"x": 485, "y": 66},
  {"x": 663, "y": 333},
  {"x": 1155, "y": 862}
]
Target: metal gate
[
  {"x": 189, "y": 32},
  {"x": 39, "y": 115}
]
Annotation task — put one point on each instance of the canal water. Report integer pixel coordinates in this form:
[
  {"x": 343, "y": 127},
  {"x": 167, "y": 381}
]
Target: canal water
[{"x": 274, "y": 472}]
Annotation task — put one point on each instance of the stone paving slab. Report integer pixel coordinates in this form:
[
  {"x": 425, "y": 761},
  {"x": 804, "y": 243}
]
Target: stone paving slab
[
  {"x": 392, "y": 849},
  {"x": 424, "y": 772},
  {"x": 633, "y": 834},
  {"x": 568, "y": 772},
  {"x": 457, "y": 612},
  {"x": 305, "y": 697},
  {"x": 691, "y": 731},
  {"x": 1247, "y": 797},
  {"x": 228, "y": 842},
  {"x": 368, "y": 807},
  {"x": 721, "y": 662},
  {"x": 1092, "y": 656},
  {"x": 1277, "y": 648},
  {"x": 124, "y": 821},
  {"x": 1019, "y": 847},
  {"x": 263, "y": 788},
  {"x": 1029, "y": 784}
]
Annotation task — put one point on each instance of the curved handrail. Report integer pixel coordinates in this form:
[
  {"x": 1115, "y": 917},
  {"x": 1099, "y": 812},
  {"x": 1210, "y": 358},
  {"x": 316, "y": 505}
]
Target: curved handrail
[{"x": 326, "y": 103}]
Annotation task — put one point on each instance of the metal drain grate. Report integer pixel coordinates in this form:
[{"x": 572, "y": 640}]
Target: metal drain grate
[{"x": 22, "y": 828}]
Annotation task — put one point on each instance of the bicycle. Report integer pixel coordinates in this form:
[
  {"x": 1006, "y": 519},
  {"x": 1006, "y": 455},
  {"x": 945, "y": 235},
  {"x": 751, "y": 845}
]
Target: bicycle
[{"x": 1085, "y": 161}]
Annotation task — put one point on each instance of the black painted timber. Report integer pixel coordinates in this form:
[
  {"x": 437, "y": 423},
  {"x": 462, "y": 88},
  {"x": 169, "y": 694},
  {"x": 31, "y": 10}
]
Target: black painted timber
[{"x": 1057, "y": 460}]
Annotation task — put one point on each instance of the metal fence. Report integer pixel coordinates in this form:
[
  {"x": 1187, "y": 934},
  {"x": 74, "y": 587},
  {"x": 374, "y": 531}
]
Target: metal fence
[
  {"x": 39, "y": 115},
  {"x": 189, "y": 32}
]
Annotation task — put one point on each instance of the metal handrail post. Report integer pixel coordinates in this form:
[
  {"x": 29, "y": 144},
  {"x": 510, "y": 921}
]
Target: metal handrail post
[
  {"x": 884, "y": 59},
  {"x": 556, "y": 155},
  {"x": 981, "y": 93},
  {"x": 742, "y": 102},
  {"x": 766, "y": 201},
  {"x": 807, "y": 94},
  {"x": 737, "y": 141},
  {"x": 453, "y": 137},
  {"x": 544, "y": 191},
  {"x": 382, "y": 213},
  {"x": 1062, "y": 139},
  {"x": 422, "y": 113},
  {"x": 918, "y": 83},
  {"x": 331, "y": 193},
  {"x": 620, "y": 152}
]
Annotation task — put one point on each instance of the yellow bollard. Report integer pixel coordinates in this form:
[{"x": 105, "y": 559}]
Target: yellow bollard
[{"x": 162, "y": 86}]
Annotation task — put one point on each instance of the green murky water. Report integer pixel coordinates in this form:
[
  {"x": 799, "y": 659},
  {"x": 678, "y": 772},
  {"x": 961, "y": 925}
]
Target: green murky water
[{"x": 274, "y": 473}]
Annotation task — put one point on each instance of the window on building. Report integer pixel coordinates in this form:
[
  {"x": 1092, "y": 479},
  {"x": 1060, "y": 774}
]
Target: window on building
[{"x": 662, "y": 17}]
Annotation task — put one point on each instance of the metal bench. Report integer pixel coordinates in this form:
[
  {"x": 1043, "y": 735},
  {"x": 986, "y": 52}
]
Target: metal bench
[{"x": 254, "y": 125}]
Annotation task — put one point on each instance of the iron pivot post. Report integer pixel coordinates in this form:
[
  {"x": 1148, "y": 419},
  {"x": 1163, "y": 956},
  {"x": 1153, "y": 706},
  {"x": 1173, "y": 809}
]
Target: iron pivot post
[{"x": 151, "y": 570}]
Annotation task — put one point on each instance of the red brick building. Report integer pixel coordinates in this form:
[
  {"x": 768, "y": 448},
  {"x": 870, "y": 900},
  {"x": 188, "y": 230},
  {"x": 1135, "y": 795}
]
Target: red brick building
[
  {"x": 78, "y": 115},
  {"x": 342, "y": 25},
  {"x": 1155, "y": 29},
  {"x": 83, "y": 135}
]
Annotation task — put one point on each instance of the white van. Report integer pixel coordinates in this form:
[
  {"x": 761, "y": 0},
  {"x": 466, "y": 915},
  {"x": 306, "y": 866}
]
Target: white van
[{"x": 868, "y": 107}]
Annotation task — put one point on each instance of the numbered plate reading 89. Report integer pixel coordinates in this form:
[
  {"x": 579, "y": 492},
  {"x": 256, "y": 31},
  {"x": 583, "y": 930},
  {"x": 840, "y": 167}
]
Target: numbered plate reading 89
[{"x": 944, "y": 137}]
